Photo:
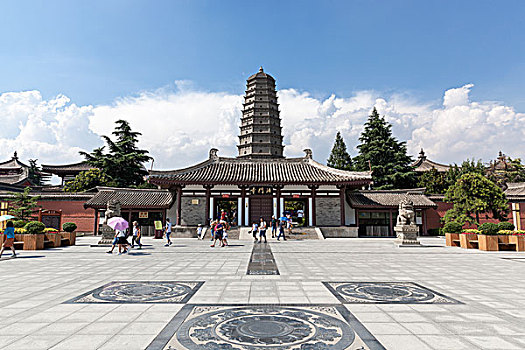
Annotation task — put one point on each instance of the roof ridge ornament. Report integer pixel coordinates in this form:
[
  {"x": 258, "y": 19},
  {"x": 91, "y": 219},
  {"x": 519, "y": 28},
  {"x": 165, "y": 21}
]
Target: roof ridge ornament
[
  {"x": 261, "y": 69},
  {"x": 308, "y": 153},
  {"x": 213, "y": 154},
  {"x": 15, "y": 155}
]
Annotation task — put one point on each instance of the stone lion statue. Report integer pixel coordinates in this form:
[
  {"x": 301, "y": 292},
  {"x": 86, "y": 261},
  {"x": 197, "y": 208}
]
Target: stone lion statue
[
  {"x": 407, "y": 215},
  {"x": 112, "y": 209}
]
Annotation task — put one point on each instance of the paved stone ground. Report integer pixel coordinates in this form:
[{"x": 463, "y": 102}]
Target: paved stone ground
[{"x": 36, "y": 290}]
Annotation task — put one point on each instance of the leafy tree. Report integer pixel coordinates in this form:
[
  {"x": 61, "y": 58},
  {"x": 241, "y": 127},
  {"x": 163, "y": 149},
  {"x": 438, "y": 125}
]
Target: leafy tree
[
  {"x": 35, "y": 173},
  {"x": 22, "y": 205},
  {"x": 123, "y": 163},
  {"x": 339, "y": 157},
  {"x": 87, "y": 180},
  {"x": 433, "y": 181},
  {"x": 384, "y": 154},
  {"x": 473, "y": 195}
]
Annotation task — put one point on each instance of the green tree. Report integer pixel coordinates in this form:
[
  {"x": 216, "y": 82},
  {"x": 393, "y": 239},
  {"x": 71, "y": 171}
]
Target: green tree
[
  {"x": 472, "y": 196},
  {"x": 433, "y": 181},
  {"x": 22, "y": 205},
  {"x": 339, "y": 157},
  {"x": 384, "y": 154},
  {"x": 87, "y": 180},
  {"x": 123, "y": 163},
  {"x": 35, "y": 173}
]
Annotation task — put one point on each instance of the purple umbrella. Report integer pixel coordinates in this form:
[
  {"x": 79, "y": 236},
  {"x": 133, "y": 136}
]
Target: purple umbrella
[{"x": 118, "y": 223}]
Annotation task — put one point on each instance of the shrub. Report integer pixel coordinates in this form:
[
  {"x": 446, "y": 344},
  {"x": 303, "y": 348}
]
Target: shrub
[
  {"x": 35, "y": 227},
  {"x": 452, "y": 227},
  {"x": 511, "y": 232},
  {"x": 471, "y": 231},
  {"x": 50, "y": 230},
  {"x": 505, "y": 225},
  {"x": 19, "y": 223},
  {"x": 69, "y": 226},
  {"x": 489, "y": 228},
  {"x": 20, "y": 230}
]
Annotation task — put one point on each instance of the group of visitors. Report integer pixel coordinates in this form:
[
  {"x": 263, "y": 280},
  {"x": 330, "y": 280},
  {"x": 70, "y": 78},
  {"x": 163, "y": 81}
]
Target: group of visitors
[
  {"x": 277, "y": 225},
  {"x": 121, "y": 239},
  {"x": 219, "y": 232}
]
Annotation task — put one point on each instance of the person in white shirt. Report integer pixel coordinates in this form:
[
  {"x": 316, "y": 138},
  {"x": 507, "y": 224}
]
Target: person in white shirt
[
  {"x": 262, "y": 230},
  {"x": 199, "y": 232},
  {"x": 167, "y": 230}
]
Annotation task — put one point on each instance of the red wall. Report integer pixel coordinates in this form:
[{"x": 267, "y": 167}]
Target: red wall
[
  {"x": 434, "y": 215},
  {"x": 72, "y": 211}
]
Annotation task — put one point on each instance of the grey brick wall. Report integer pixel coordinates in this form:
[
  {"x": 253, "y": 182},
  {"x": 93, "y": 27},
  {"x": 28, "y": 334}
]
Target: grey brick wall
[
  {"x": 193, "y": 214},
  {"x": 328, "y": 211}
]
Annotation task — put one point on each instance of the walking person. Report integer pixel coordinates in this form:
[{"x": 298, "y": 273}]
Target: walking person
[
  {"x": 289, "y": 224},
  {"x": 219, "y": 228},
  {"x": 262, "y": 230},
  {"x": 167, "y": 230},
  {"x": 9, "y": 241},
  {"x": 199, "y": 232},
  {"x": 282, "y": 224},
  {"x": 225, "y": 234},
  {"x": 274, "y": 226},
  {"x": 212, "y": 229},
  {"x": 113, "y": 244},
  {"x": 254, "y": 231},
  {"x": 122, "y": 242},
  {"x": 136, "y": 235}
]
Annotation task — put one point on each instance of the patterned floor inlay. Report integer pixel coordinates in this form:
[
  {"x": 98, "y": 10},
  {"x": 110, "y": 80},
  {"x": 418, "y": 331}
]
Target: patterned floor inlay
[
  {"x": 140, "y": 292},
  {"x": 262, "y": 261},
  {"x": 254, "y": 327},
  {"x": 386, "y": 293}
]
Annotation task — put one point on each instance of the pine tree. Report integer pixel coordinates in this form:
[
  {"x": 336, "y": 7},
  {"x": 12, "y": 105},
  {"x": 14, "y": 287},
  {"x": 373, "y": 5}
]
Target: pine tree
[
  {"x": 23, "y": 205},
  {"x": 35, "y": 173},
  {"x": 339, "y": 157},
  {"x": 434, "y": 181},
  {"x": 123, "y": 164},
  {"x": 384, "y": 154}
]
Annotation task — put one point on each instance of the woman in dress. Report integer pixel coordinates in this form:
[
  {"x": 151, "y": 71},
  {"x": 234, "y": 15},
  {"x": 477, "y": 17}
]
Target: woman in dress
[{"x": 9, "y": 241}]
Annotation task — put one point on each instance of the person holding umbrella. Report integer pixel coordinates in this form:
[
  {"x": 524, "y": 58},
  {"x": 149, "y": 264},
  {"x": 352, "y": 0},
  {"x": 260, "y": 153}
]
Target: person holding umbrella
[
  {"x": 9, "y": 242},
  {"x": 120, "y": 225}
]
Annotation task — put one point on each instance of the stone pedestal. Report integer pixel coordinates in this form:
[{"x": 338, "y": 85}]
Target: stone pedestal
[
  {"x": 406, "y": 235},
  {"x": 107, "y": 235}
]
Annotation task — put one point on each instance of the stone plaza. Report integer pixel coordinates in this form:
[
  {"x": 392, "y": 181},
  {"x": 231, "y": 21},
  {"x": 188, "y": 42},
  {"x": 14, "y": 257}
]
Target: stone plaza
[{"x": 361, "y": 293}]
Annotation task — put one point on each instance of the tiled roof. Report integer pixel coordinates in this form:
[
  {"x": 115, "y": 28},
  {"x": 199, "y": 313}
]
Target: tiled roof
[
  {"x": 515, "y": 190},
  {"x": 14, "y": 171},
  {"x": 390, "y": 198},
  {"x": 66, "y": 168},
  {"x": 422, "y": 164},
  {"x": 131, "y": 198},
  {"x": 220, "y": 170}
]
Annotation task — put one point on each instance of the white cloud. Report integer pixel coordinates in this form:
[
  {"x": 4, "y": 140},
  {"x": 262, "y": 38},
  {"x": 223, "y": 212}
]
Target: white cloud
[{"x": 180, "y": 125}]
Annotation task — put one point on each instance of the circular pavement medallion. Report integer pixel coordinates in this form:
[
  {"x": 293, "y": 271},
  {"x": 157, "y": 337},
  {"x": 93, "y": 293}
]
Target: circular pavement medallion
[
  {"x": 386, "y": 292},
  {"x": 265, "y": 327},
  {"x": 139, "y": 292}
]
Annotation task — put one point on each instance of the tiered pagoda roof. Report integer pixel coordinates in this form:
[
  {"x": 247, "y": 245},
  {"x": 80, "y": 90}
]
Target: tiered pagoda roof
[
  {"x": 276, "y": 171},
  {"x": 423, "y": 164},
  {"x": 14, "y": 172}
]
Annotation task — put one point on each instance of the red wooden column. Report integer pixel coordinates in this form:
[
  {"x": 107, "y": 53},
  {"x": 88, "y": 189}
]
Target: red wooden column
[
  {"x": 243, "y": 206},
  {"x": 179, "y": 205},
  {"x": 342, "y": 193},
  {"x": 278, "y": 195},
  {"x": 391, "y": 218},
  {"x": 314, "y": 216}
]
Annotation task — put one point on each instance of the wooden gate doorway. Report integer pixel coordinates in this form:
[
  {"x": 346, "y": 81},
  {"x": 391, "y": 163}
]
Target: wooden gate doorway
[{"x": 260, "y": 206}]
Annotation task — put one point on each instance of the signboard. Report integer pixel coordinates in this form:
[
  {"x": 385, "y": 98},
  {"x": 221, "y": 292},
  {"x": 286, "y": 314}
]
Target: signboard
[
  {"x": 296, "y": 196},
  {"x": 195, "y": 202},
  {"x": 143, "y": 214},
  {"x": 225, "y": 196},
  {"x": 261, "y": 190},
  {"x": 158, "y": 225}
]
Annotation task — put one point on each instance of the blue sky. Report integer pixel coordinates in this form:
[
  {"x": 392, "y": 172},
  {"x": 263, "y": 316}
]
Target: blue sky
[
  {"x": 94, "y": 51},
  {"x": 448, "y": 75}
]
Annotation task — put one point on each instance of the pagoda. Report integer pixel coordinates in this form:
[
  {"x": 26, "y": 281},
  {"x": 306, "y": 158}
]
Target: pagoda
[{"x": 261, "y": 135}]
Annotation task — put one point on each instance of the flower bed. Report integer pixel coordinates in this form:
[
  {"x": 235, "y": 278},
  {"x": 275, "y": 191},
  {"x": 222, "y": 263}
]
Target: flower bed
[{"x": 468, "y": 239}]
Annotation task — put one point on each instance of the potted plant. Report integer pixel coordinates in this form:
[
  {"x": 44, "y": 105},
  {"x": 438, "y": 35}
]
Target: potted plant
[
  {"x": 51, "y": 234},
  {"x": 34, "y": 235},
  {"x": 469, "y": 238},
  {"x": 488, "y": 239},
  {"x": 452, "y": 231},
  {"x": 515, "y": 238},
  {"x": 69, "y": 232}
]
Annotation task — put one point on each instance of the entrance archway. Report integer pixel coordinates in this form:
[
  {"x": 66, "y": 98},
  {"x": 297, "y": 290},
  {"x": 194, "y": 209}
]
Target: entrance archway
[
  {"x": 298, "y": 210},
  {"x": 229, "y": 207}
]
